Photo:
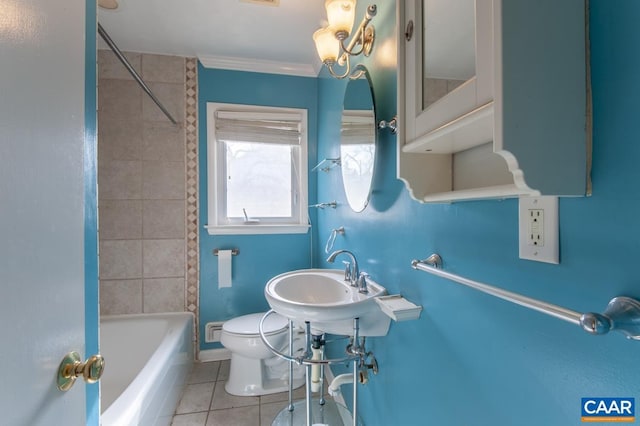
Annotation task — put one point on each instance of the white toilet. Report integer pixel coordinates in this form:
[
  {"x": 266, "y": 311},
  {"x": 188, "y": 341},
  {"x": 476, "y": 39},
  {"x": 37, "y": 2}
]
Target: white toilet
[{"x": 255, "y": 370}]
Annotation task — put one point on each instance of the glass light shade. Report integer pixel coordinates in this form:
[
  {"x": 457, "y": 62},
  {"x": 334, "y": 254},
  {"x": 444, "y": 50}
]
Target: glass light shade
[
  {"x": 327, "y": 44},
  {"x": 108, "y": 4},
  {"x": 341, "y": 14}
]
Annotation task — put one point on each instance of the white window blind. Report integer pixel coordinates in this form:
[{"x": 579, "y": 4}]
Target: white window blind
[
  {"x": 358, "y": 127},
  {"x": 234, "y": 126}
]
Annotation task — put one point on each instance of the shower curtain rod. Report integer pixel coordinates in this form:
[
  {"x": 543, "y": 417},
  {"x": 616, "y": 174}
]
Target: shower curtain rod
[
  {"x": 132, "y": 71},
  {"x": 622, "y": 313}
]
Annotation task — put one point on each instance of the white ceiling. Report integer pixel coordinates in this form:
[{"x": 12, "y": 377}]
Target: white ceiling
[{"x": 235, "y": 34}]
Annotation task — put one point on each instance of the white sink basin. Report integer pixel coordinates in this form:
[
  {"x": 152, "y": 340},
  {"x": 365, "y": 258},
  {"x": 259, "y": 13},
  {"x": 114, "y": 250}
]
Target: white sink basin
[{"x": 322, "y": 297}]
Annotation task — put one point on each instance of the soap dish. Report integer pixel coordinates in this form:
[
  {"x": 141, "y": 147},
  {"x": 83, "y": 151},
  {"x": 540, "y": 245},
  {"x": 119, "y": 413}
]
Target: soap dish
[{"x": 398, "y": 308}]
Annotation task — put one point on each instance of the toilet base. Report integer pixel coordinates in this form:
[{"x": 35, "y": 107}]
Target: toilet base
[{"x": 249, "y": 377}]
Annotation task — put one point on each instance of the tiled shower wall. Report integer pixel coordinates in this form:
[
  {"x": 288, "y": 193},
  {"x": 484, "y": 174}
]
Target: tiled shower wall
[
  {"x": 147, "y": 206},
  {"x": 436, "y": 88}
]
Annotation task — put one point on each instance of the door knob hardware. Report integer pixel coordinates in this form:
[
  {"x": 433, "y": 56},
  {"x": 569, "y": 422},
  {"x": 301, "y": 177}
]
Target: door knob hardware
[{"x": 72, "y": 367}]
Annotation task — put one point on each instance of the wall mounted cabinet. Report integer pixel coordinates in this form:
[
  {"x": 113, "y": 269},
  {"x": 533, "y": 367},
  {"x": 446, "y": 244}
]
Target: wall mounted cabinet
[{"x": 493, "y": 99}]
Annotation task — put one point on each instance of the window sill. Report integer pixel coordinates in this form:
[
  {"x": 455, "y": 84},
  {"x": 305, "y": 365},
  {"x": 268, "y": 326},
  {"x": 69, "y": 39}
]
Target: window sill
[{"x": 257, "y": 229}]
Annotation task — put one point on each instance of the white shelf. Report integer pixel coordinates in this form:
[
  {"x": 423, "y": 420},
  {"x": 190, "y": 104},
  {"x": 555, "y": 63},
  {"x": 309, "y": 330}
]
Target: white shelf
[
  {"x": 489, "y": 192},
  {"x": 398, "y": 308},
  {"x": 327, "y": 164},
  {"x": 472, "y": 129}
]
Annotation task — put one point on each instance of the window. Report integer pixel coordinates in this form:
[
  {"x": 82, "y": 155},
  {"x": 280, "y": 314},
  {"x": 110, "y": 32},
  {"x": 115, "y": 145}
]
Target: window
[{"x": 257, "y": 169}]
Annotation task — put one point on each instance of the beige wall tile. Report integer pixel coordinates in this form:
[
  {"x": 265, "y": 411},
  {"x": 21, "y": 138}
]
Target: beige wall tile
[
  {"x": 434, "y": 89},
  {"x": 171, "y": 95},
  {"x": 120, "y": 259},
  {"x": 119, "y": 140},
  {"x": 120, "y": 219},
  {"x": 163, "y": 295},
  {"x": 163, "y": 258},
  {"x": 119, "y": 180},
  {"x": 119, "y": 100},
  {"x": 141, "y": 175},
  {"x": 163, "y": 180},
  {"x": 120, "y": 297},
  {"x": 109, "y": 66},
  {"x": 162, "y": 68},
  {"x": 163, "y": 219},
  {"x": 454, "y": 84},
  {"x": 162, "y": 141}
]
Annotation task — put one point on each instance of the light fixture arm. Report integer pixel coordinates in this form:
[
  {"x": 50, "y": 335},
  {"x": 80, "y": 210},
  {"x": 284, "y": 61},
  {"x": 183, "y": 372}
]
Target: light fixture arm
[
  {"x": 361, "y": 35},
  {"x": 345, "y": 63},
  {"x": 358, "y": 39}
]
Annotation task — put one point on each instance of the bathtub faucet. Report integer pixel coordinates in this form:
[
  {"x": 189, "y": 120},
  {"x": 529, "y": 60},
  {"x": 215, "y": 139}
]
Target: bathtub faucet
[{"x": 352, "y": 272}]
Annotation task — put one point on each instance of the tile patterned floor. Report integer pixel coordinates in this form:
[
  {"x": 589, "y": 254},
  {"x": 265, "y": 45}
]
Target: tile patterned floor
[{"x": 206, "y": 403}]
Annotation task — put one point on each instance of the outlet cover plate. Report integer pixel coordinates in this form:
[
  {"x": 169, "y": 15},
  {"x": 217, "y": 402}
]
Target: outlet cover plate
[{"x": 538, "y": 224}]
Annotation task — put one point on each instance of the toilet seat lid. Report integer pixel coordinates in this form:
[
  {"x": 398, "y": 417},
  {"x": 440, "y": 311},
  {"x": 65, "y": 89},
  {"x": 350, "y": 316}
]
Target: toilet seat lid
[{"x": 248, "y": 324}]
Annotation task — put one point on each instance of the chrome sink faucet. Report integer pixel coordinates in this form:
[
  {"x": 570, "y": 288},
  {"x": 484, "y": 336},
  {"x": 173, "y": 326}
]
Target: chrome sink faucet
[{"x": 352, "y": 272}]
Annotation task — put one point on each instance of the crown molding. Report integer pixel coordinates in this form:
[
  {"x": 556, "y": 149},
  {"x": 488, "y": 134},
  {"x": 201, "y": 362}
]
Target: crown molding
[{"x": 259, "y": 65}]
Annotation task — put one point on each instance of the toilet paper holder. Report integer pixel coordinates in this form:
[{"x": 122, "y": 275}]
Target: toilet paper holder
[{"x": 234, "y": 251}]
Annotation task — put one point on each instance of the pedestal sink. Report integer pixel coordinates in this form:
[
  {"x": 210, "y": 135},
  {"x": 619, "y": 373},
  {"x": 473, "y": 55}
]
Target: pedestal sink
[{"x": 322, "y": 297}]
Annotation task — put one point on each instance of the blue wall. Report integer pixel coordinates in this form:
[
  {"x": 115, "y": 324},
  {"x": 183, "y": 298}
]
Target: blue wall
[
  {"x": 472, "y": 359},
  {"x": 261, "y": 256}
]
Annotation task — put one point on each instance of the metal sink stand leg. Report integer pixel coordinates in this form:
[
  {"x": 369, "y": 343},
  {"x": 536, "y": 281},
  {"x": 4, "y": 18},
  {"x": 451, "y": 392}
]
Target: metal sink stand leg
[
  {"x": 356, "y": 361},
  {"x": 290, "y": 407},
  {"x": 307, "y": 335}
]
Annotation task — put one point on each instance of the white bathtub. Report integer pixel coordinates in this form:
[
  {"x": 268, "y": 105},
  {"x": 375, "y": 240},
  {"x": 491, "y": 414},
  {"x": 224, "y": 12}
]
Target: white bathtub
[{"x": 147, "y": 360}]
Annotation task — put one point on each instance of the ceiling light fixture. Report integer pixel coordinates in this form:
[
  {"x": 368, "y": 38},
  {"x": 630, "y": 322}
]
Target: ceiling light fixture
[
  {"x": 330, "y": 40},
  {"x": 263, "y": 2},
  {"x": 108, "y": 4}
]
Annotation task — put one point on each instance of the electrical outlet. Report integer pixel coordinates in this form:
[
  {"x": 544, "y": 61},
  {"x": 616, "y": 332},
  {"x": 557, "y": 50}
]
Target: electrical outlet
[
  {"x": 539, "y": 229},
  {"x": 536, "y": 227}
]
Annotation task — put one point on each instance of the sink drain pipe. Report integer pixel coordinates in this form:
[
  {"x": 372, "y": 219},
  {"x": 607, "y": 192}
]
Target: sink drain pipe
[{"x": 317, "y": 349}]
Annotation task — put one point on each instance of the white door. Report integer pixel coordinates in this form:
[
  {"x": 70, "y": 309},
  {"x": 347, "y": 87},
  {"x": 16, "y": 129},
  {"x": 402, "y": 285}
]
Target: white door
[{"x": 45, "y": 216}]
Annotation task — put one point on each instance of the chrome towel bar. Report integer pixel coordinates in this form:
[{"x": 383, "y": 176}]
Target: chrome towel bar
[{"x": 622, "y": 313}]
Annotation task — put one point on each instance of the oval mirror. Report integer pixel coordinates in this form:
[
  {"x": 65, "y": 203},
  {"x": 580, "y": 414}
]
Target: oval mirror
[{"x": 358, "y": 141}]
